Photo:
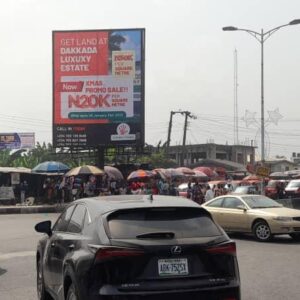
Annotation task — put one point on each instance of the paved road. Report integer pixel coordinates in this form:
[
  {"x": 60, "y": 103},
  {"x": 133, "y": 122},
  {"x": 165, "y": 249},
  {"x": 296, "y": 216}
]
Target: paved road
[{"x": 268, "y": 270}]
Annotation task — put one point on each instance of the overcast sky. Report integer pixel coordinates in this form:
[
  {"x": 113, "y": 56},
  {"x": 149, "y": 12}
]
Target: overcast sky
[{"x": 189, "y": 64}]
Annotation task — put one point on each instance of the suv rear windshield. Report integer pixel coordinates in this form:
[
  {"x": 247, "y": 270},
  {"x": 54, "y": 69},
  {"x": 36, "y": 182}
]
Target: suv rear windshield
[{"x": 182, "y": 222}]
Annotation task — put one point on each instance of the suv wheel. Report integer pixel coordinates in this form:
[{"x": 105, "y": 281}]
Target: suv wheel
[{"x": 262, "y": 231}]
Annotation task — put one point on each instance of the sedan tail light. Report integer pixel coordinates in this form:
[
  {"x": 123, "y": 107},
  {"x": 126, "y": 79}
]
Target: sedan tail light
[
  {"x": 228, "y": 248},
  {"x": 106, "y": 253}
]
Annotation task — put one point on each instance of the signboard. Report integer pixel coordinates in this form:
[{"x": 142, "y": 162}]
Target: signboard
[
  {"x": 7, "y": 193},
  {"x": 98, "y": 88},
  {"x": 15, "y": 178},
  {"x": 17, "y": 140},
  {"x": 262, "y": 171}
]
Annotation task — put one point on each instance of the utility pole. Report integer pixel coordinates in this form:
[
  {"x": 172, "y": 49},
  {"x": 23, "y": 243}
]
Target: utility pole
[
  {"x": 170, "y": 129},
  {"x": 172, "y": 113},
  {"x": 187, "y": 114}
]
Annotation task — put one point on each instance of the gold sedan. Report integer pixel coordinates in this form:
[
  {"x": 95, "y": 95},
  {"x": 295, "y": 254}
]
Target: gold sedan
[{"x": 258, "y": 214}]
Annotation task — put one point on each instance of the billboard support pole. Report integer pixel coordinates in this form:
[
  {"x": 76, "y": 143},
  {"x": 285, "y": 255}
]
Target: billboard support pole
[{"x": 100, "y": 157}]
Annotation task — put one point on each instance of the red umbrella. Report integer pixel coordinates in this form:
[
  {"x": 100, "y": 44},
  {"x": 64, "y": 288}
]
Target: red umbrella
[
  {"x": 206, "y": 170},
  {"x": 186, "y": 171},
  {"x": 140, "y": 174}
]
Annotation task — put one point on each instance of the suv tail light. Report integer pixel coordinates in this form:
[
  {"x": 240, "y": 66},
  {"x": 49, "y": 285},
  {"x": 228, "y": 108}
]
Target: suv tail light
[
  {"x": 106, "y": 253},
  {"x": 228, "y": 248}
]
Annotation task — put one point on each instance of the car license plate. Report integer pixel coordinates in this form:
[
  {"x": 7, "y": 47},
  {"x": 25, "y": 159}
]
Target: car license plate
[{"x": 173, "y": 267}]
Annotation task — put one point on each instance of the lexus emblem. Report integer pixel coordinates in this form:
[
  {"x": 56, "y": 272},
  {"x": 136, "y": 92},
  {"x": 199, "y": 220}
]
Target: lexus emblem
[{"x": 176, "y": 250}]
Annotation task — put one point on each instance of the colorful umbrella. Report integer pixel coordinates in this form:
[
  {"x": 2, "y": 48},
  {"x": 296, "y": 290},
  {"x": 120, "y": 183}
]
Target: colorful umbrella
[
  {"x": 186, "y": 171},
  {"x": 140, "y": 174},
  {"x": 85, "y": 170},
  {"x": 50, "y": 167},
  {"x": 113, "y": 173}
]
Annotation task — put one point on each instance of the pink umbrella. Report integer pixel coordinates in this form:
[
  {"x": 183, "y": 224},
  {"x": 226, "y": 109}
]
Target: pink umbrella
[
  {"x": 206, "y": 170},
  {"x": 200, "y": 175},
  {"x": 186, "y": 171},
  {"x": 175, "y": 173},
  {"x": 163, "y": 173}
]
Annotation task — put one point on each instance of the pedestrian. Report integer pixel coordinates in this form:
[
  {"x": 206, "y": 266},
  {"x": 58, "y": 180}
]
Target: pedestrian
[
  {"x": 209, "y": 194},
  {"x": 189, "y": 190},
  {"x": 197, "y": 195},
  {"x": 173, "y": 191},
  {"x": 23, "y": 190},
  {"x": 166, "y": 187}
]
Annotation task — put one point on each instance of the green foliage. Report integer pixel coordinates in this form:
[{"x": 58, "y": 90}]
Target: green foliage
[
  {"x": 158, "y": 160},
  {"x": 45, "y": 152}
]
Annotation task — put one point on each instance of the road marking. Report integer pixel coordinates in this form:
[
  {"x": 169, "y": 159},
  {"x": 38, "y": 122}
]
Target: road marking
[{"x": 5, "y": 256}]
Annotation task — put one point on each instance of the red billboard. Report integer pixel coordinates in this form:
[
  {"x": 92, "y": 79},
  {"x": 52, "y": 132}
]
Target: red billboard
[{"x": 98, "y": 88}]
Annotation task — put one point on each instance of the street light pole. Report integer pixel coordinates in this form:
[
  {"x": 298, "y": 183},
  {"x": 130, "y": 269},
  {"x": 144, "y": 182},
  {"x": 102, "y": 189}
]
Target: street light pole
[
  {"x": 261, "y": 38},
  {"x": 262, "y": 99}
]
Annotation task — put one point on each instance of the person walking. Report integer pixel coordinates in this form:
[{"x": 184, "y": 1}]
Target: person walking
[
  {"x": 197, "y": 195},
  {"x": 209, "y": 194}
]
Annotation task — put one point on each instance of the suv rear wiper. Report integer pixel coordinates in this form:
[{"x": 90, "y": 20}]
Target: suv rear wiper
[{"x": 156, "y": 235}]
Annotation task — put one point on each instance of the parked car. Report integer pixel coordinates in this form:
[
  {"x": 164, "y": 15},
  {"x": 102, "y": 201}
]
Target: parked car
[
  {"x": 183, "y": 188},
  {"x": 245, "y": 189},
  {"x": 124, "y": 247},
  {"x": 255, "y": 214},
  {"x": 293, "y": 189},
  {"x": 272, "y": 189}
]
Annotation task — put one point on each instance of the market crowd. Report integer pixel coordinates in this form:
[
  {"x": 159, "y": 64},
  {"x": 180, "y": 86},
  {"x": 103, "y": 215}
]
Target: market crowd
[{"x": 67, "y": 189}]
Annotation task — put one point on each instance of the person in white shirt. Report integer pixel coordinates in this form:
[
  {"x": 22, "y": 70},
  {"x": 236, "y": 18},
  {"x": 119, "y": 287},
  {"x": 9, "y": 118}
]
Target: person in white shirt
[{"x": 209, "y": 194}]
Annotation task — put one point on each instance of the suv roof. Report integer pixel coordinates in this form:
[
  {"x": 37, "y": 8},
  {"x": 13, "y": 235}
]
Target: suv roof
[{"x": 104, "y": 204}]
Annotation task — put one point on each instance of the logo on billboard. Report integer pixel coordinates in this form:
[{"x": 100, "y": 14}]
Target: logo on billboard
[
  {"x": 123, "y": 129},
  {"x": 123, "y": 133}
]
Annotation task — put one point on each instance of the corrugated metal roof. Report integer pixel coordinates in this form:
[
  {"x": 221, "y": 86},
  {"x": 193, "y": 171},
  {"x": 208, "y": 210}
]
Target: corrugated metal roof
[{"x": 14, "y": 170}]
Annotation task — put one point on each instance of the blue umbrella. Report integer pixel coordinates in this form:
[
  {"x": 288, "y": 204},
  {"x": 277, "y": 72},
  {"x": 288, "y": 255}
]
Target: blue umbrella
[{"x": 51, "y": 167}]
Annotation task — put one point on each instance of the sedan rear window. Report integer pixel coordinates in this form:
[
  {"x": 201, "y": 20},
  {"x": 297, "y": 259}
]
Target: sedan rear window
[
  {"x": 293, "y": 184},
  {"x": 161, "y": 223}
]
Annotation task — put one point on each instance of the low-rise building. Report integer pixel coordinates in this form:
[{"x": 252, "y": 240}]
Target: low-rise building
[
  {"x": 280, "y": 165},
  {"x": 192, "y": 154}
]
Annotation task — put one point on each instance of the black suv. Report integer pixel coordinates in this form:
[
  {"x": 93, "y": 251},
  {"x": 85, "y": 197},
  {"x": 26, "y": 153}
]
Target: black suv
[{"x": 136, "y": 247}]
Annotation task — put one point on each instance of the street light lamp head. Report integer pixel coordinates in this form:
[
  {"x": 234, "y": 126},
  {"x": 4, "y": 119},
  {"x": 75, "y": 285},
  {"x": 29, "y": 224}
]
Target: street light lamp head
[
  {"x": 295, "y": 22},
  {"x": 230, "y": 28}
]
